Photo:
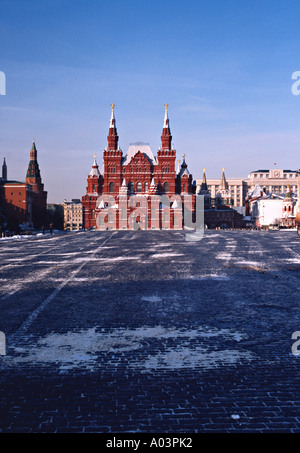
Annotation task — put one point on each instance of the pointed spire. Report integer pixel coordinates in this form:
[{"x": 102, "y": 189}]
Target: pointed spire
[
  {"x": 95, "y": 169},
  {"x": 33, "y": 172},
  {"x": 184, "y": 164},
  {"x": 112, "y": 118},
  {"x": 33, "y": 151},
  {"x": 33, "y": 148},
  {"x": 166, "y": 138},
  {"x": 112, "y": 137},
  {"x": 288, "y": 195},
  {"x": 178, "y": 166},
  {"x": 204, "y": 181},
  {"x": 166, "y": 118},
  {"x": 4, "y": 170},
  {"x": 223, "y": 180}
]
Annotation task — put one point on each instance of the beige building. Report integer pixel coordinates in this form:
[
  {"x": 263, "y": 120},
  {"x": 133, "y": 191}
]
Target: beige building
[
  {"x": 73, "y": 215},
  {"x": 275, "y": 181}
]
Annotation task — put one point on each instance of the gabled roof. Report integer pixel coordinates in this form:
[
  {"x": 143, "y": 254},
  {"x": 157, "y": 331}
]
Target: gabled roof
[
  {"x": 134, "y": 148},
  {"x": 255, "y": 192}
]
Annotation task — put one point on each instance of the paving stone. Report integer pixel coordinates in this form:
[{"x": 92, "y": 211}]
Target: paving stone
[{"x": 103, "y": 337}]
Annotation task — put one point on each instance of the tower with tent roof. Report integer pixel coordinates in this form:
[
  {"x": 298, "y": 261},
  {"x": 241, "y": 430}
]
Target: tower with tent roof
[{"x": 39, "y": 195}]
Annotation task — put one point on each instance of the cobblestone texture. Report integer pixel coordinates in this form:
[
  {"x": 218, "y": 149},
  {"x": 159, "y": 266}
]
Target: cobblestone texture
[{"x": 146, "y": 332}]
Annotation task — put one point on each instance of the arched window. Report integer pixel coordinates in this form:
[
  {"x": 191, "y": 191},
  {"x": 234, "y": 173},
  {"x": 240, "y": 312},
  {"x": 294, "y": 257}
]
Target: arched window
[
  {"x": 111, "y": 187},
  {"x": 146, "y": 187},
  {"x": 139, "y": 187},
  {"x": 166, "y": 187}
]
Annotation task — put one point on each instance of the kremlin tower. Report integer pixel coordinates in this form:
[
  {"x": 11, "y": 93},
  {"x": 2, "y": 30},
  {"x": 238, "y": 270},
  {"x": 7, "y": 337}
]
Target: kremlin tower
[{"x": 39, "y": 196}]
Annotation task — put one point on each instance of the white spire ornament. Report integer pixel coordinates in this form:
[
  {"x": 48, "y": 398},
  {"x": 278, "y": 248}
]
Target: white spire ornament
[
  {"x": 166, "y": 119},
  {"x": 112, "y": 118},
  {"x": 95, "y": 169}
]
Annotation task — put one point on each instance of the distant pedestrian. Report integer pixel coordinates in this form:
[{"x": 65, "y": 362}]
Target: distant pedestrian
[{"x": 51, "y": 228}]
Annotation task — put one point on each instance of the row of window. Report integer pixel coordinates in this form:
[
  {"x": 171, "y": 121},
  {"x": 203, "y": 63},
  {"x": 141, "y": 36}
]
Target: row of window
[
  {"x": 139, "y": 187},
  {"x": 266, "y": 175},
  {"x": 137, "y": 169}
]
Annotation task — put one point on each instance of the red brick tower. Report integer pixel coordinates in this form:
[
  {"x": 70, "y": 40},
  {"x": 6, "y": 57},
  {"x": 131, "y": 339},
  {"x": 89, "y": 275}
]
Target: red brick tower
[
  {"x": 4, "y": 170},
  {"x": 166, "y": 138},
  {"x": 288, "y": 217},
  {"x": 184, "y": 179},
  {"x": 112, "y": 157},
  {"x": 39, "y": 199},
  {"x": 164, "y": 172},
  {"x": 93, "y": 190}
]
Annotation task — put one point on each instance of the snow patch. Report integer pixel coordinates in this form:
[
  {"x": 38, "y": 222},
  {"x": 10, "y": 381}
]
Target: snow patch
[
  {"x": 198, "y": 357},
  {"x": 250, "y": 263},
  {"x": 224, "y": 256},
  {"x": 152, "y": 299},
  {"x": 91, "y": 349},
  {"x": 293, "y": 260},
  {"x": 166, "y": 255},
  {"x": 217, "y": 277}
]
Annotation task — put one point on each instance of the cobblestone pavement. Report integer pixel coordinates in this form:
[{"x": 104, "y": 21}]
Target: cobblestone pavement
[{"x": 146, "y": 332}]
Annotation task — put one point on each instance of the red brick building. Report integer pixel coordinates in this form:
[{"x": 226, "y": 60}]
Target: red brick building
[
  {"x": 23, "y": 202},
  {"x": 138, "y": 190},
  {"x": 15, "y": 202}
]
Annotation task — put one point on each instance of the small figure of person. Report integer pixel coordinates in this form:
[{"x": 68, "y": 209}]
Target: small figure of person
[{"x": 51, "y": 228}]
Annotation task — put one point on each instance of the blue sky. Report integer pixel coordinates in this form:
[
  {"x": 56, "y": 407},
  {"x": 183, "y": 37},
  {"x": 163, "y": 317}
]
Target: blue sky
[{"x": 224, "y": 68}]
